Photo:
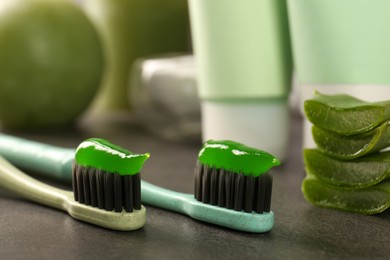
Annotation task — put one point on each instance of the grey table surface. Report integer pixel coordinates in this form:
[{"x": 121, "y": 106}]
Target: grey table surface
[{"x": 301, "y": 231}]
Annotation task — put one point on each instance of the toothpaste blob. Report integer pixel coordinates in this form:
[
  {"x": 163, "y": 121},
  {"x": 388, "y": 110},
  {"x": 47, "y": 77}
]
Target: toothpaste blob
[
  {"x": 236, "y": 157},
  {"x": 103, "y": 155}
]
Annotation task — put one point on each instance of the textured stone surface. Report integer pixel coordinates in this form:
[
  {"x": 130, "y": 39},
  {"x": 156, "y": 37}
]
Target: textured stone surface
[{"x": 301, "y": 231}]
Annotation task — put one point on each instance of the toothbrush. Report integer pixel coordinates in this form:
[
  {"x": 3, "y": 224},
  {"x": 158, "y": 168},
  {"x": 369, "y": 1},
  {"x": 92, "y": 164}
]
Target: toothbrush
[
  {"x": 56, "y": 162},
  {"x": 234, "y": 176},
  {"x": 107, "y": 176},
  {"x": 19, "y": 183}
]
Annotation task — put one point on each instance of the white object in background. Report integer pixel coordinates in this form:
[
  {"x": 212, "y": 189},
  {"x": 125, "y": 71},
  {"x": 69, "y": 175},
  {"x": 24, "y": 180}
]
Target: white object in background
[
  {"x": 264, "y": 125},
  {"x": 163, "y": 92}
]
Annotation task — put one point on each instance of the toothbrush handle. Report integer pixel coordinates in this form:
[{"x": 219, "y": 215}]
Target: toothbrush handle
[
  {"x": 163, "y": 198},
  {"x": 50, "y": 160},
  {"x": 19, "y": 183}
]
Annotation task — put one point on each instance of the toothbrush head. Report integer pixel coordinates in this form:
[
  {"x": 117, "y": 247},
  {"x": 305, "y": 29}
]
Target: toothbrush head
[
  {"x": 107, "y": 176},
  {"x": 234, "y": 176},
  {"x": 19, "y": 183},
  {"x": 107, "y": 185},
  {"x": 240, "y": 220},
  {"x": 123, "y": 221}
]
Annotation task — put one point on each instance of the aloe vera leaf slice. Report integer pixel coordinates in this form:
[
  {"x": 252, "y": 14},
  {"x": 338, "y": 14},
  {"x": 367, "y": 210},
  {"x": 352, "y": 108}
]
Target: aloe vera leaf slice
[
  {"x": 344, "y": 114},
  {"x": 359, "y": 173},
  {"x": 351, "y": 147},
  {"x": 371, "y": 200}
]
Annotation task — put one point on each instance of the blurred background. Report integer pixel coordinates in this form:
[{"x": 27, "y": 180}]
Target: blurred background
[
  {"x": 67, "y": 64},
  {"x": 65, "y": 61},
  {"x": 185, "y": 70}
]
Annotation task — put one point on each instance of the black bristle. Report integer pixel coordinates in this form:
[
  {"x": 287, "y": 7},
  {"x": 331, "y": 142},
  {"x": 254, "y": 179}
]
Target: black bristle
[
  {"x": 239, "y": 180},
  {"x": 74, "y": 183},
  {"x": 198, "y": 181},
  {"x": 213, "y": 186},
  {"x": 229, "y": 188},
  {"x": 233, "y": 190},
  {"x": 86, "y": 186},
  {"x": 93, "y": 187},
  {"x": 249, "y": 194},
  {"x": 260, "y": 189},
  {"x": 206, "y": 185},
  {"x": 108, "y": 192},
  {"x": 127, "y": 196},
  {"x": 100, "y": 188},
  {"x": 136, "y": 179},
  {"x": 105, "y": 190},
  {"x": 117, "y": 193},
  {"x": 79, "y": 185},
  {"x": 221, "y": 189},
  {"x": 267, "y": 201}
]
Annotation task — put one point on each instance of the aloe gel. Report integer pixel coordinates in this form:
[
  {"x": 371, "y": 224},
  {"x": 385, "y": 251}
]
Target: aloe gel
[
  {"x": 362, "y": 172},
  {"x": 344, "y": 114},
  {"x": 350, "y": 169},
  {"x": 371, "y": 200},
  {"x": 354, "y": 146}
]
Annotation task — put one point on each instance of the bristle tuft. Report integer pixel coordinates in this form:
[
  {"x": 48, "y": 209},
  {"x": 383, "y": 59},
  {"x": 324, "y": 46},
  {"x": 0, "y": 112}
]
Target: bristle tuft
[
  {"x": 233, "y": 190},
  {"x": 105, "y": 190}
]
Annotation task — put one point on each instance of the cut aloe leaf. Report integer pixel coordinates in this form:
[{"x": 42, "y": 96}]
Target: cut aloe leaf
[
  {"x": 359, "y": 173},
  {"x": 351, "y": 147},
  {"x": 371, "y": 200},
  {"x": 345, "y": 115}
]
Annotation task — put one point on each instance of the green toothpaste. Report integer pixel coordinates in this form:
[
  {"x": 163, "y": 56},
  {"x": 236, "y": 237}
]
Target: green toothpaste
[
  {"x": 101, "y": 154},
  {"x": 236, "y": 157}
]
